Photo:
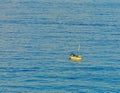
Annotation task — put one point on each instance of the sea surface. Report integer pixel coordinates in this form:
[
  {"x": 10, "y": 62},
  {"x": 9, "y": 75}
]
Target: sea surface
[{"x": 37, "y": 37}]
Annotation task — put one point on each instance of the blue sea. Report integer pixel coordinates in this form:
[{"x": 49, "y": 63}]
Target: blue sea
[{"x": 37, "y": 37}]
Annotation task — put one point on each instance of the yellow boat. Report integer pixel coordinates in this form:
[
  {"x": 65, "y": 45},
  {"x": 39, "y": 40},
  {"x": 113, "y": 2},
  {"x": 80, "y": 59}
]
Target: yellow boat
[{"x": 75, "y": 57}]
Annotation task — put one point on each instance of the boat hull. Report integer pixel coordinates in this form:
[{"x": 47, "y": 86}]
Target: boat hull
[{"x": 75, "y": 58}]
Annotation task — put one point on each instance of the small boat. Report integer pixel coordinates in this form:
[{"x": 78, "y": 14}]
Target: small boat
[{"x": 74, "y": 57}]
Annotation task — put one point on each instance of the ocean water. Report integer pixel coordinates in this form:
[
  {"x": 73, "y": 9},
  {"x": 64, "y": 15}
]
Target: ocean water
[{"x": 37, "y": 37}]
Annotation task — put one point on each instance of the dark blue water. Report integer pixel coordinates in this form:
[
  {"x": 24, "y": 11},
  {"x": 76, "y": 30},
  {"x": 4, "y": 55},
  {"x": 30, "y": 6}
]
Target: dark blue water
[{"x": 37, "y": 36}]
